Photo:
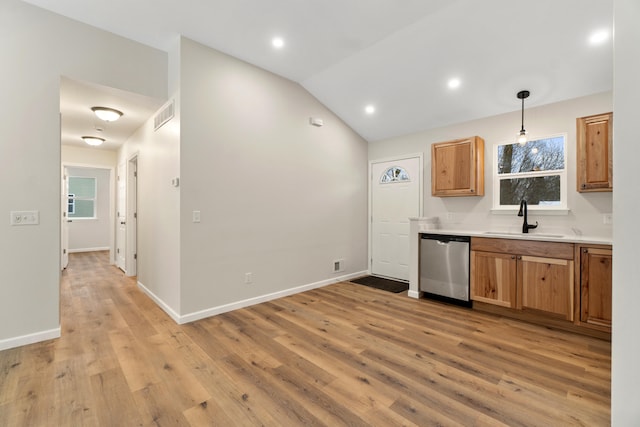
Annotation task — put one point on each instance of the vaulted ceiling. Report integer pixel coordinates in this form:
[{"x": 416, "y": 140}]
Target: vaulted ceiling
[{"x": 395, "y": 55}]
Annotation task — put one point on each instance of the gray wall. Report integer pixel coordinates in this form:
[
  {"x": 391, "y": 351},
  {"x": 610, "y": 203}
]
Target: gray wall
[{"x": 278, "y": 198}]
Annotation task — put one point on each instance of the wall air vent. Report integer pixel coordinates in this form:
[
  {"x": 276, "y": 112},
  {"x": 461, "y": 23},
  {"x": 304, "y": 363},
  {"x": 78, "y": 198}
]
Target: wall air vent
[{"x": 164, "y": 115}]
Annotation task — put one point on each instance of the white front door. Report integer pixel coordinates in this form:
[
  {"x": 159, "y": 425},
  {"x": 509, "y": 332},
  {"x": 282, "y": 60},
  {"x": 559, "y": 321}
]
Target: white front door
[
  {"x": 121, "y": 218},
  {"x": 396, "y": 188}
]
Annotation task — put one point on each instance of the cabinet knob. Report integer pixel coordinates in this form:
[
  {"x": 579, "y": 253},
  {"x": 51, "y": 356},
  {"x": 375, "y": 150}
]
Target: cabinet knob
[
  {"x": 585, "y": 251},
  {"x": 584, "y": 185},
  {"x": 513, "y": 257}
]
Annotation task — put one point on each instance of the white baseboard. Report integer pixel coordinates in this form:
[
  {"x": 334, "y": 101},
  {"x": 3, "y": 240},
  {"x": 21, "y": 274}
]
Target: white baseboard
[
  {"x": 73, "y": 251},
  {"x": 29, "y": 339},
  {"x": 414, "y": 294},
  {"x": 175, "y": 316},
  {"x": 192, "y": 317}
]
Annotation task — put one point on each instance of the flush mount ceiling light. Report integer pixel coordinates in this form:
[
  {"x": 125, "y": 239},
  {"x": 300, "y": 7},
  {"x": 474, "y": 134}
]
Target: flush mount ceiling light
[
  {"x": 522, "y": 136},
  {"x": 93, "y": 140},
  {"x": 369, "y": 109},
  {"x": 107, "y": 114}
]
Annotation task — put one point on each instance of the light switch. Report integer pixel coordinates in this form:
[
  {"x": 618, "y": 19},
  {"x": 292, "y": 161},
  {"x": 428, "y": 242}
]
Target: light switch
[{"x": 24, "y": 218}]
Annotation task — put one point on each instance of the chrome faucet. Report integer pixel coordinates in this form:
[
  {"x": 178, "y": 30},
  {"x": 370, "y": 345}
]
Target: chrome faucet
[{"x": 523, "y": 212}]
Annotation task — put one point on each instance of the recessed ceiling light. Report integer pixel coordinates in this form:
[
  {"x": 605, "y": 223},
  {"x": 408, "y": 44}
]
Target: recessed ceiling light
[
  {"x": 277, "y": 42},
  {"x": 599, "y": 37},
  {"x": 369, "y": 109},
  {"x": 454, "y": 83}
]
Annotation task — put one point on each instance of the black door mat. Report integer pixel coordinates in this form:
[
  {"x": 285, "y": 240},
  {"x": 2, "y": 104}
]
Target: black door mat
[{"x": 380, "y": 283}]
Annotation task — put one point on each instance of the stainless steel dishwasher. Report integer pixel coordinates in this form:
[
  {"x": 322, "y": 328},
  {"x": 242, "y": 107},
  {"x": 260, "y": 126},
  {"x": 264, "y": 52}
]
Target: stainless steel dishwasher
[{"x": 444, "y": 267}]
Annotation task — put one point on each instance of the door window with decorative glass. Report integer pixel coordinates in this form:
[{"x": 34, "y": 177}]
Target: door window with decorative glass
[
  {"x": 82, "y": 197},
  {"x": 534, "y": 171}
]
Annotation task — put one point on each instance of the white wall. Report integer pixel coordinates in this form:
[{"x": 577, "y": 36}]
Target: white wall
[
  {"x": 278, "y": 198},
  {"x": 37, "y": 47},
  {"x": 625, "y": 394},
  {"x": 586, "y": 209},
  {"x": 158, "y": 240},
  {"x": 93, "y": 234},
  {"x": 88, "y": 157},
  {"x": 158, "y": 201}
]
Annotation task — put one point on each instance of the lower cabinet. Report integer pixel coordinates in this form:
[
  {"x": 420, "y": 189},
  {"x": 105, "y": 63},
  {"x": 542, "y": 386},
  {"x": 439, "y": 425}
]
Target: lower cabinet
[
  {"x": 493, "y": 278},
  {"x": 524, "y": 275},
  {"x": 595, "y": 278},
  {"x": 546, "y": 284},
  {"x": 558, "y": 284}
]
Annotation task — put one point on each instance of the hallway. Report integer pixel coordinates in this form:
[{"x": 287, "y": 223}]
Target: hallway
[{"x": 341, "y": 355}]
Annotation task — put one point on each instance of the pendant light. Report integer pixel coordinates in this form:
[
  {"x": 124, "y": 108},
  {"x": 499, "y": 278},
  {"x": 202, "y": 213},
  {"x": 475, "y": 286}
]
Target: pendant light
[{"x": 522, "y": 136}]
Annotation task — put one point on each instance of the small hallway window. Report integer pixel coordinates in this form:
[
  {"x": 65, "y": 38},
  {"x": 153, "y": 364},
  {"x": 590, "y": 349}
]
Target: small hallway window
[{"x": 82, "y": 197}]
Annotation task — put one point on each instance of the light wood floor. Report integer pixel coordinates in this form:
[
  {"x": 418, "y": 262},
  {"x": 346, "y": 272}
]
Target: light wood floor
[{"x": 341, "y": 355}]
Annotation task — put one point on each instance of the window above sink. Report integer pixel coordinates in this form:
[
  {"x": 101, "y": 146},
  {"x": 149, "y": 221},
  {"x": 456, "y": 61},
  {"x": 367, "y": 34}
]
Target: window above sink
[{"x": 535, "y": 171}]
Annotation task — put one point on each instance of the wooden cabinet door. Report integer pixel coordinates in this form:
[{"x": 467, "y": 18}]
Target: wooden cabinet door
[
  {"x": 595, "y": 280},
  {"x": 595, "y": 153},
  {"x": 546, "y": 284},
  {"x": 493, "y": 278},
  {"x": 457, "y": 167}
]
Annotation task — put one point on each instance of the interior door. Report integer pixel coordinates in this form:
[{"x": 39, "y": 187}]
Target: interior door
[
  {"x": 395, "y": 197},
  {"x": 121, "y": 218},
  {"x": 64, "y": 226},
  {"x": 132, "y": 217}
]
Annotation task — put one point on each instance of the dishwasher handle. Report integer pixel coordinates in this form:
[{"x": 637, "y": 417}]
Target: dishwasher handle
[{"x": 444, "y": 239}]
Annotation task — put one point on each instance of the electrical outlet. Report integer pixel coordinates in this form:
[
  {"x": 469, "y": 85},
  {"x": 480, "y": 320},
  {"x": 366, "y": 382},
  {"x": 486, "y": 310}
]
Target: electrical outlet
[
  {"x": 607, "y": 218},
  {"x": 196, "y": 216},
  {"x": 248, "y": 278},
  {"x": 450, "y": 216}
]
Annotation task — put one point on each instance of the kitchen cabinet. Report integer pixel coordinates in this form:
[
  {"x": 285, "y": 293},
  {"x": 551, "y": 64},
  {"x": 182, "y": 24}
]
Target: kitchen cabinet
[
  {"x": 594, "y": 274},
  {"x": 595, "y": 153},
  {"x": 546, "y": 284},
  {"x": 493, "y": 278},
  {"x": 457, "y": 167},
  {"x": 524, "y": 275}
]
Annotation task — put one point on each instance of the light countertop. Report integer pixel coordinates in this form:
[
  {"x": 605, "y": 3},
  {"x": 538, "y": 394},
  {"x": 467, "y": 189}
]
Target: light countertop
[{"x": 532, "y": 235}]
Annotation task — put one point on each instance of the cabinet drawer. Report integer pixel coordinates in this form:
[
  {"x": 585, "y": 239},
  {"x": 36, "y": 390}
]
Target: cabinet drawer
[{"x": 523, "y": 247}]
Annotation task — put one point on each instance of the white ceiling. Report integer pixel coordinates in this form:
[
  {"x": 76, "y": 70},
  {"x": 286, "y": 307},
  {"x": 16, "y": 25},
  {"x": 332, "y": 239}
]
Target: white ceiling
[{"x": 395, "y": 54}]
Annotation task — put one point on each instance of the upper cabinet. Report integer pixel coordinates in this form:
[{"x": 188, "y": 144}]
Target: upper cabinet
[
  {"x": 457, "y": 167},
  {"x": 595, "y": 148}
]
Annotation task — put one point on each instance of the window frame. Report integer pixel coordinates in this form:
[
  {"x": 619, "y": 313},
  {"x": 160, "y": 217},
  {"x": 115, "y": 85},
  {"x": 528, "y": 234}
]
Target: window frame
[
  {"x": 560, "y": 209},
  {"x": 71, "y": 200}
]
